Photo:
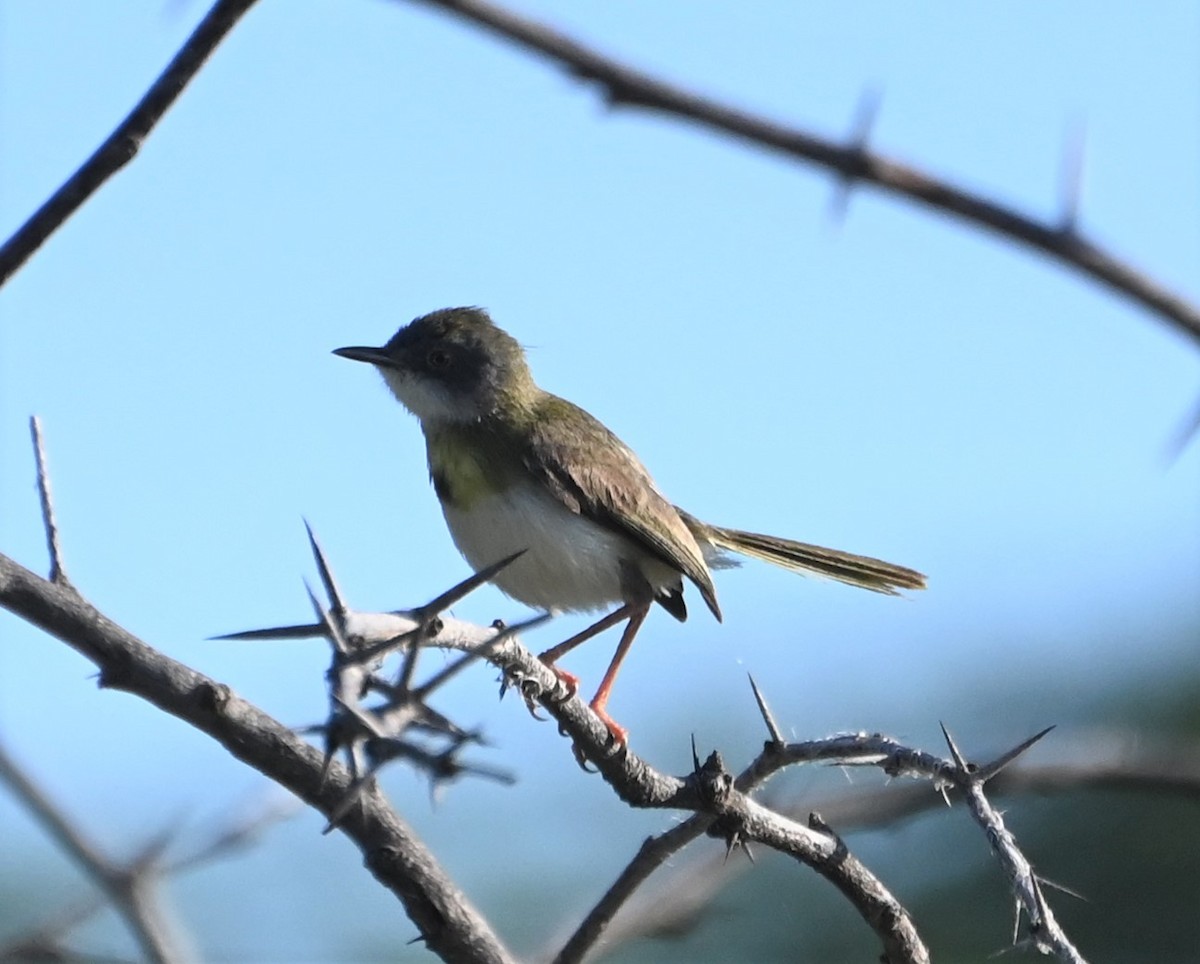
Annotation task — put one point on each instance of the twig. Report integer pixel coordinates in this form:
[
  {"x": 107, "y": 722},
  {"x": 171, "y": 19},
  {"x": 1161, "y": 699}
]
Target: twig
[
  {"x": 626, "y": 86},
  {"x": 46, "y": 941},
  {"x": 128, "y": 888},
  {"x": 122, "y": 144},
  {"x": 1046, "y": 935},
  {"x": 57, "y": 573}
]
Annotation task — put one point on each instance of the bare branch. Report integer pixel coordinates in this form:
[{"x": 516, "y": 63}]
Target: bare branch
[
  {"x": 626, "y": 86},
  {"x": 130, "y": 889},
  {"x": 122, "y": 144},
  {"x": 690, "y": 891}
]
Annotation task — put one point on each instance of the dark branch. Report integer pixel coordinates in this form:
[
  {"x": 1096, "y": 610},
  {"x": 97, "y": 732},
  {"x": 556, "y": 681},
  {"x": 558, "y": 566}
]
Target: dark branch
[
  {"x": 449, "y": 925},
  {"x": 626, "y": 86},
  {"x": 123, "y": 143}
]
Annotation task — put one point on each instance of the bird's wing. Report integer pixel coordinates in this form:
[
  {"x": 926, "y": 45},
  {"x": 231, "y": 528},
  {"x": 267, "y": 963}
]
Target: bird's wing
[{"x": 616, "y": 492}]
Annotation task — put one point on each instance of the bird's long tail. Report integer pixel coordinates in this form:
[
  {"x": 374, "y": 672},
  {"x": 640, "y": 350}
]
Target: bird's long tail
[{"x": 854, "y": 570}]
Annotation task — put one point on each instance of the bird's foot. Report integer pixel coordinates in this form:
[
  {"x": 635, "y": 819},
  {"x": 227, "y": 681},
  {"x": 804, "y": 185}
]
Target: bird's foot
[
  {"x": 618, "y": 735},
  {"x": 618, "y": 738},
  {"x": 532, "y": 692},
  {"x": 569, "y": 680}
]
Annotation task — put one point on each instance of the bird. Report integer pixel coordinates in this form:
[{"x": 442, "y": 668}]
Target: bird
[{"x": 520, "y": 470}]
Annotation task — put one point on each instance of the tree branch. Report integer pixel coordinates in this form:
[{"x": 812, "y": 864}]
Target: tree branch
[
  {"x": 448, "y": 923},
  {"x": 626, "y": 86},
  {"x": 122, "y": 144},
  {"x": 398, "y": 859}
]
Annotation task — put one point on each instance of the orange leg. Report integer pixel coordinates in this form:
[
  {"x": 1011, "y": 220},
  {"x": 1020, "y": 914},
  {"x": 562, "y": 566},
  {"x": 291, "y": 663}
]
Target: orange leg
[
  {"x": 635, "y": 613},
  {"x": 555, "y": 653},
  {"x": 600, "y": 700}
]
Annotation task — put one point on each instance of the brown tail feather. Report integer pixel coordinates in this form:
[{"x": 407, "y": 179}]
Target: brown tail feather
[{"x": 862, "y": 571}]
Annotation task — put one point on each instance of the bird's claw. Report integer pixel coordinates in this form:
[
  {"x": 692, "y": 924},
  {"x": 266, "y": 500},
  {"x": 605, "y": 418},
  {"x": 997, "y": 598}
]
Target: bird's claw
[
  {"x": 530, "y": 692},
  {"x": 568, "y": 691},
  {"x": 580, "y": 758}
]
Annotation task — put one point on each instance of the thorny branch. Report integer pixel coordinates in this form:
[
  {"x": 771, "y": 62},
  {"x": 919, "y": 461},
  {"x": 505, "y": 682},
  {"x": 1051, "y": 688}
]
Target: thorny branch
[
  {"x": 625, "y": 86},
  {"x": 721, "y": 803},
  {"x": 710, "y": 788},
  {"x": 451, "y": 927},
  {"x": 394, "y": 854},
  {"x": 1107, "y": 761},
  {"x": 857, "y": 749},
  {"x": 122, "y": 144},
  {"x": 396, "y": 857}
]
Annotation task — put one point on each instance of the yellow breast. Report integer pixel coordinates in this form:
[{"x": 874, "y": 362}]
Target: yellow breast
[{"x": 460, "y": 471}]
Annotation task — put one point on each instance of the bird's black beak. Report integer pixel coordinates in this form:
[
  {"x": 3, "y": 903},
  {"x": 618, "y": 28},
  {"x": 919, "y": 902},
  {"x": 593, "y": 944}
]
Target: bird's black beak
[{"x": 373, "y": 356}]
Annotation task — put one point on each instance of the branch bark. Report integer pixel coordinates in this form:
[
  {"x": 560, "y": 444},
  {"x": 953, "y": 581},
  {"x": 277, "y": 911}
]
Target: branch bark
[
  {"x": 625, "y": 86},
  {"x": 448, "y": 923}
]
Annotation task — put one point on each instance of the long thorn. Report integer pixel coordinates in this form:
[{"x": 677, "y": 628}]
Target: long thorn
[
  {"x": 336, "y": 603},
  {"x": 332, "y": 629},
  {"x": 768, "y": 718},
  {"x": 308, "y": 631},
  {"x": 1071, "y": 184},
  {"x": 985, "y": 773},
  {"x": 959, "y": 760},
  {"x": 57, "y": 573},
  {"x": 468, "y": 585}
]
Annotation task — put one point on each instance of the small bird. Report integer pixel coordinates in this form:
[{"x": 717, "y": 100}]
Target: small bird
[{"x": 517, "y": 468}]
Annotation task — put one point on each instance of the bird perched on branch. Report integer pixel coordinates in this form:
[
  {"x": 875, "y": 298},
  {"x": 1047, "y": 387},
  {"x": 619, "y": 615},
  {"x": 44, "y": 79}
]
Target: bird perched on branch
[{"x": 517, "y": 468}]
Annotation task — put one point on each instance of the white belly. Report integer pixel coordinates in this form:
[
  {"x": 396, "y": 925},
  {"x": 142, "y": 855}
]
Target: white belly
[{"x": 570, "y": 563}]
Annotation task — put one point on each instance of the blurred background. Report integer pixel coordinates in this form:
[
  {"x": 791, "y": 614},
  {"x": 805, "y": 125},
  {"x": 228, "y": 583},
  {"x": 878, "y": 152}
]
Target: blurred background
[{"x": 896, "y": 384}]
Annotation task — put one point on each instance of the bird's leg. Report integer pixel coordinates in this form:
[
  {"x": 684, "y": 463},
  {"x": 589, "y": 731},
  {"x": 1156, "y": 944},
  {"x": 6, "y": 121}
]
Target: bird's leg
[
  {"x": 555, "y": 653},
  {"x": 636, "y": 618}
]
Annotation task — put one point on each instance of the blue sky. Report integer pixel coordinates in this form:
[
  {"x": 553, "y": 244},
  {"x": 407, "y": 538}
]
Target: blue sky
[{"x": 899, "y": 385}]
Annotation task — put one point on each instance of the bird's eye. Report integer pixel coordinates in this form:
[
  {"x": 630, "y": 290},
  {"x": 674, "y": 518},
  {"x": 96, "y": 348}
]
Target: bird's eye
[{"x": 438, "y": 358}]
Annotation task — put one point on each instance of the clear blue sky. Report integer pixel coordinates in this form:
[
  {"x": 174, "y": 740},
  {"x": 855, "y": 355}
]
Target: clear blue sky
[{"x": 901, "y": 385}]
